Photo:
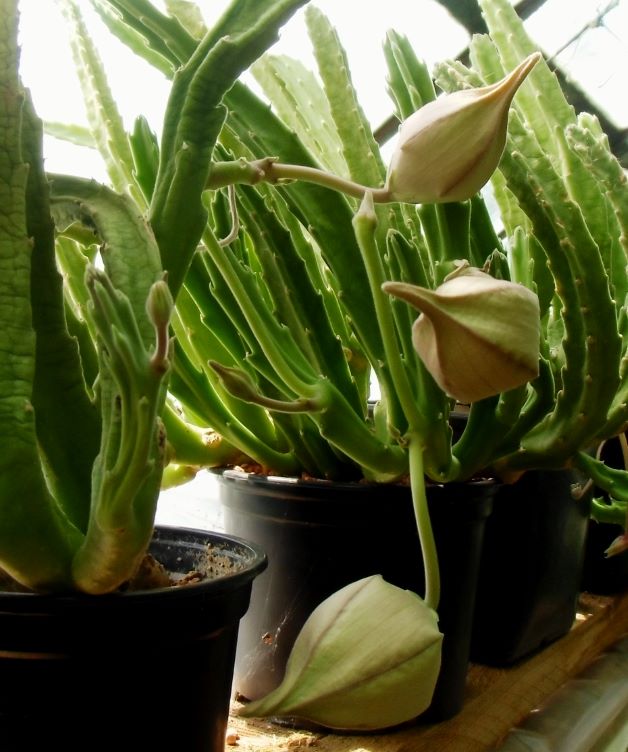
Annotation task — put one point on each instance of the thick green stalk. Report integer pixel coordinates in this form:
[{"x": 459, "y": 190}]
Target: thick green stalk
[
  {"x": 193, "y": 447},
  {"x": 203, "y": 73},
  {"x": 129, "y": 251},
  {"x": 380, "y": 459},
  {"x": 194, "y": 117},
  {"x": 37, "y": 541},
  {"x": 423, "y": 418},
  {"x": 541, "y": 98},
  {"x": 360, "y": 150},
  {"x": 129, "y": 468},
  {"x": 300, "y": 102},
  {"x": 587, "y": 390},
  {"x": 160, "y": 39},
  {"x": 105, "y": 121},
  {"x": 409, "y": 80},
  {"x": 424, "y": 523},
  {"x": 364, "y": 223},
  {"x": 68, "y": 425},
  {"x": 612, "y": 480},
  {"x": 592, "y": 147},
  {"x": 131, "y": 393}
]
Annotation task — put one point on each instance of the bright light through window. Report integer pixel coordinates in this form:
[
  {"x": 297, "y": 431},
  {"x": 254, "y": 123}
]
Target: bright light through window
[{"x": 589, "y": 39}]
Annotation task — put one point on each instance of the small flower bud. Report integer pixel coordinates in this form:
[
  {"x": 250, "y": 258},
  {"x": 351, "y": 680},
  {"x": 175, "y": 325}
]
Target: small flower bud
[
  {"x": 477, "y": 336},
  {"x": 367, "y": 658},
  {"x": 159, "y": 304},
  {"x": 449, "y": 148},
  {"x": 236, "y": 381},
  {"x": 159, "y": 307}
]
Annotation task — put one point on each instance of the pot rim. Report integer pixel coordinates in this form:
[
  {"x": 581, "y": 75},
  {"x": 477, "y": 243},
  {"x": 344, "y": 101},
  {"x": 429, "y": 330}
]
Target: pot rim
[
  {"x": 240, "y": 475},
  {"x": 254, "y": 562}
]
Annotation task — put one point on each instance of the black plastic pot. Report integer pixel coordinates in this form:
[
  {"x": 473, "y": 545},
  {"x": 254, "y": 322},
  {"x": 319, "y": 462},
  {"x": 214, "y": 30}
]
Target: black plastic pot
[
  {"x": 531, "y": 566},
  {"x": 147, "y": 670},
  {"x": 320, "y": 536},
  {"x": 601, "y": 574}
]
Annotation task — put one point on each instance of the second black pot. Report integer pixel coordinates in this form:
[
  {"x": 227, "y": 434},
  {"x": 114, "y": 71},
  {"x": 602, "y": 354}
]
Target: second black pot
[
  {"x": 531, "y": 566},
  {"x": 320, "y": 536},
  {"x": 601, "y": 574}
]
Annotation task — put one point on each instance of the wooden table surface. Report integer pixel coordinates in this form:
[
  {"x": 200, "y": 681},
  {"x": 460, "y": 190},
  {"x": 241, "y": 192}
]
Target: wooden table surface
[{"x": 496, "y": 700}]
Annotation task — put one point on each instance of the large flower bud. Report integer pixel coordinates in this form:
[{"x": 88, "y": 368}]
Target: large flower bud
[
  {"x": 367, "y": 658},
  {"x": 477, "y": 335},
  {"x": 449, "y": 148}
]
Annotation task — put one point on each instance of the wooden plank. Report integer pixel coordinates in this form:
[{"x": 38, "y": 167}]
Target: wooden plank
[{"x": 497, "y": 699}]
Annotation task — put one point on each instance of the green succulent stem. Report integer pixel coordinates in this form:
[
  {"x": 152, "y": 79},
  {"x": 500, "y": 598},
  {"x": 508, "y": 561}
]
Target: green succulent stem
[
  {"x": 294, "y": 373},
  {"x": 269, "y": 170},
  {"x": 282, "y": 172},
  {"x": 423, "y": 522},
  {"x": 189, "y": 446},
  {"x": 612, "y": 512},
  {"x": 129, "y": 467},
  {"x": 364, "y": 224}
]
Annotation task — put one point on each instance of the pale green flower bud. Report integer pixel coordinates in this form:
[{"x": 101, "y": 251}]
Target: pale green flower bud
[
  {"x": 241, "y": 385},
  {"x": 159, "y": 307},
  {"x": 160, "y": 304},
  {"x": 449, "y": 148},
  {"x": 367, "y": 658},
  {"x": 477, "y": 335}
]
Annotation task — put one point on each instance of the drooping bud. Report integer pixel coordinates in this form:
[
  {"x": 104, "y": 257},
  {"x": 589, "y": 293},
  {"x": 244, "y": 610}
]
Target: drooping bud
[
  {"x": 477, "y": 336},
  {"x": 449, "y": 148},
  {"x": 238, "y": 383},
  {"x": 367, "y": 658}
]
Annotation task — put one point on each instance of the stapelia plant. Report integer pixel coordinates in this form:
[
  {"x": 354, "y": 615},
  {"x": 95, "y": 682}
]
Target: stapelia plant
[
  {"x": 274, "y": 316},
  {"x": 289, "y": 308},
  {"x": 82, "y": 385}
]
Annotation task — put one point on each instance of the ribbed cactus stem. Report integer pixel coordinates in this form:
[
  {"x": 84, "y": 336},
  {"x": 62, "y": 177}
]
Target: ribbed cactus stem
[
  {"x": 299, "y": 100},
  {"x": 360, "y": 150}
]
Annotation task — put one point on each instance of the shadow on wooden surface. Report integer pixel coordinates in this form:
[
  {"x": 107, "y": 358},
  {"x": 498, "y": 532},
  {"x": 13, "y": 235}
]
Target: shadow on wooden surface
[{"x": 497, "y": 698}]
